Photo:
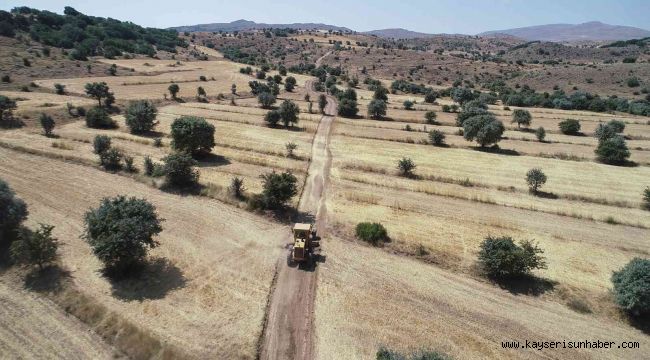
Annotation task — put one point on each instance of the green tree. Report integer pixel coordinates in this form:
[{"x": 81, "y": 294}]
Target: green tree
[
  {"x": 406, "y": 166},
  {"x": 408, "y": 105},
  {"x": 289, "y": 113},
  {"x": 99, "y": 91},
  {"x": 461, "y": 95},
  {"x": 289, "y": 83},
  {"x": 237, "y": 187},
  {"x": 266, "y": 99},
  {"x": 646, "y": 198},
  {"x": 98, "y": 118},
  {"x": 485, "y": 129},
  {"x": 121, "y": 230},
  {"x": 430, "y": 117},
  {"x": 374, "y": 233},
  {"x": 540, "y": 133},
  {"x": 141, "y": 116},
  {"x": 436, "y": 137},
  {"x": 59, "y": 89},
  {"x": 6, "y": 106},
  {"x": 617, "y": 125},
  {"x": 569, "y": 127},
  {"x": 535, "y": 178},
  {"x": 521, "y": 117},
  {"x": 290, "y": 147},
  {"x": 35, "y": 248},
  {"x": 101, "y": 144},
  {"x": 278, "y": 189},
  {"x": 13, "y": 211},
  {"x": 381, "y": 93},
  {"x": 272, "y": 118},
  {"x": 377, "y": 108},
  {"x": 348, "y": 108},
  {"x": 604, "y": 132},
  {"x": 322, "y": 103},
  {"x": 179, "y": 170},
  {"x": 173, "y": 90},
  {"x": 613, "y": 151},
  {"x": 632, "y": 287},
  {"x": 430, "y": 97},
  {"x": 192, "y": 135},
  {"x": 47, "y": 123},
  {"x": 501, "y": 257}
]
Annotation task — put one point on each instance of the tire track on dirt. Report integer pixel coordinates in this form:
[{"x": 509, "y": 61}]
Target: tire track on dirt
[{"x": 288, "y": 331}]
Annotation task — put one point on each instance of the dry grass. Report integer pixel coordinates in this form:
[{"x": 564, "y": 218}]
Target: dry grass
[{"x": 39, "y": 101}]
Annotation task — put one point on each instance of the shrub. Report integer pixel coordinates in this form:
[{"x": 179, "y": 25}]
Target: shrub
[
  {"x": 148, "y": 166},
  {"x": 101, "y": 144},
  {"x": 485, "y": 129},
  {"x": 617, "y": 125},
  {"x": 535, "y": 178},
  {"x": 376, "y": 108},
  {"x": 540, "y": 134},
  {"x": 408, "y": 104},
  {"x": 569, "y": 127},
  {"x": 99, "y": 91},
  {"x": 613, "y": 150},
  {"x": 121, "y": 230},
  {"x": 289, "y": 83},
  {"x": 646, "y": 198},
  {"x": 436, "y": 137},
  {"x": 128, "y": 163},
  {"x": 35, "y": 248},
  {"x": 141, "y": 116},
  {"x": 289, "y": 113},
  {"x": 373, "y": 233},
  {"x": 604, "y": 132},
  {"x": 633, "y": 82},
  {"x": 290, "y": 146},
  {"x": 13, "y": 211},
  {"x": 501, "y": 257},
  {"x": 47, "y": 123},
  {"x": 179, "y": 170},
  {"x": 111, "y": 159},
  {"x": 632, "y": 287},
  {"x": 6, "y": 106},
  {"x": 266, "y": 99},
  {"x": 430, "y": 97},
  {"x": 277, "y": 189},
  {"x": 430, "y": 117},
  {"x": 386, "y": 354},
  {"x": 348, "y": 108},
  {"x": 521, "y": 117},
  {"x": 236, "y": 187},
  {"x": 173, "y": 90},
  {"x": 406, "y": 166},
  {"x": 97, "y": 118},
  {"x": 322, "y": 103},
  {"x": 192, "y": 135},
  {"x": 272, "y": 118},
  {"x": 59, "y": 89}
]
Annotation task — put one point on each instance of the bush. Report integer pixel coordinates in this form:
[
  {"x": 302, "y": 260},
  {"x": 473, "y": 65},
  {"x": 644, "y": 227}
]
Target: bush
[
  {"x": 192, "y": 135},
  {"x": 613, "y": 150},
  {"x": 348, "y": 108},
  {"x": 617, "y": 125},
  {"x": 13, "y": 211},
  {"x": 272, "y": 118},
  {"x": 646, "y": 198},
  {"x": 277, "y": 189},
  {"x": 521, "y": 117},
  {"x": 322, "y": 103},
  {"x": 148, "y": 166},
  {"x": 289, "y": 83},
  {"x": 289, "y": 113},
  {"x": 408, "y": 104},
  {"x": 540, "y": 134},
  {"x": 121, "y": 230},
  {"x": 111, "y": 159},
  {"x": 59, "y": 89},
  {"x": 173, "y": 90},
  {"x": 436, "y": 137},
  {"x": 236, "y": 187},
  {"x": 266, "y": 99},
  {"x": 373, "y": 233},
  {"x": 35, "y": 248},
  {"x": 97, "y": 118},
  {"x": 128, "y": 163},
  {"x": 633, "y": 82},
  {"x": 47, "y": 123},
  {"x": 376, "y": 108},
  {"x": 569, "y": 127},
  {"x": 430, "y": 97},
  {"x": 430, "y": 117},
  {"x": 485, "y": 129},
  {"x": 604, "y": 132},
  {"x": 501, "y": 257},
  {"x": 101, "y": 144},
  {"x": 632, "y": 287},
  {"x": 290, "y": 147},
  {"x": 535, "y": 178},
  {"x": 141, "y": 116},
  {"x": 386, "y": 354},
  {"x": 406, "y": 166},
  {"x": 179, "y": 170}
]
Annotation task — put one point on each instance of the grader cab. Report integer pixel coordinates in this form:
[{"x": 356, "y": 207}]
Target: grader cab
[{"x": 304, "y": 241}]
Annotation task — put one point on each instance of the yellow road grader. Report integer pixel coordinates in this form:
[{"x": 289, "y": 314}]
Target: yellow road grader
[{"x": 304, "y": 242}]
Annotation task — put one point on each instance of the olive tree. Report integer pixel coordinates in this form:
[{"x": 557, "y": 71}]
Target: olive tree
[
  {"x": 179, "y": 170},
  {"x": 266, "y": 99},
  {"x": 121, "y": 231},
  {"x": 377, "y": 109},
  {"x": 192, "y": 135},
  {"x": 521, "y": 117},
  {"x": 632, "y": 287},
  {"x": 436, "y": 137},
  {"x": 502, "y": 258},
  {"x": 141, "y": 116},
  {"x": 35, "y": 248},
  {"x": 322, "y": 103},
  {"x": 47, "y": 123},
  {"x": 485, "y": 129},
  {"x": 173, "y": 90},
  {"x": 613, "y": 151},
  {"x": 289, "y": 113},
  {"x": 278, "y": 188},
  {"x": 289, "y": 83},
  {"x": 540, "y": 134},
  {"x": 535, "y": 178},
  {"x": 272, "y": 118},
  {"x": 98, "y": 91},
  {"x": 406, "y": 166},
  {"x": 430, "y": 117},
  {"x": 13, "y": 211}
]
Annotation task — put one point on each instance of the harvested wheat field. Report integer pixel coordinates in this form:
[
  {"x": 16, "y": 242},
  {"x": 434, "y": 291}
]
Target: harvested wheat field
[{"x": 205, "y": 286}]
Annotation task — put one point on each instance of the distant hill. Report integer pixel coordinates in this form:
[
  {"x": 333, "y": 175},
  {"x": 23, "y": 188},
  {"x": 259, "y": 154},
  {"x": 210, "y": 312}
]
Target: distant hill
[
  {"x": 398, "y": 33},
  {"x": 593, "y": 31},
  {"x": 241, "y": 25}
]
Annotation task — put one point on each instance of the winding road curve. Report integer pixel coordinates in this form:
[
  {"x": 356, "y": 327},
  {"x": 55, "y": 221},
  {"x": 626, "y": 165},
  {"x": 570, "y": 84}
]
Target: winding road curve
[{"x": 288, "y": 332}]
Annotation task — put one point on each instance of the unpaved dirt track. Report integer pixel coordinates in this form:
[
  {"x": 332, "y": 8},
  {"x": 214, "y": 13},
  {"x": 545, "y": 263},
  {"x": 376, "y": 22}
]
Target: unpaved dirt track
[{"x": 288, "y": 333}]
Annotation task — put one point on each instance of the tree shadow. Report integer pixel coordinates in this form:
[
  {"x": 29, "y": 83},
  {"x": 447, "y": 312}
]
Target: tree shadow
[
  {"x": 48, "y": 279},
  {"x": 545, "y": 195},
  {"x": 497, "y": 150},
  {"x": 150, "y": 281},
  {"x": 641, "y": 322},
  {"x": 151, "y": 134},
  {"x": 525, "y": 285},
  {"x": 212, "y": 160}
]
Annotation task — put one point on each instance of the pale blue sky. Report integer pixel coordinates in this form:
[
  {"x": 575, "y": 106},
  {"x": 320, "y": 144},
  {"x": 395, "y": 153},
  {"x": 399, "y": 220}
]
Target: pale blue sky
[{"x": 433, "y": 16}]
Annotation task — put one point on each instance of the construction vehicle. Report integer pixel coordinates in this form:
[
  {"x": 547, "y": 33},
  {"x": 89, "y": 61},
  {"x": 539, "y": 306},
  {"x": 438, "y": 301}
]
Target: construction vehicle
[{"x": 304, "y": 242}]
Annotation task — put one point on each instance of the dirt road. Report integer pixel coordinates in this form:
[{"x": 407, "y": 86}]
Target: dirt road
[{"x": 288, "y": 333}]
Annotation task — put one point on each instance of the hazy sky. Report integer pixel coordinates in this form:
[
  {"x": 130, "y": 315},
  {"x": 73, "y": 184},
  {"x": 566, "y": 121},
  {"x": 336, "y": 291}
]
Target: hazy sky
[{"x": 433, "y": 16}]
